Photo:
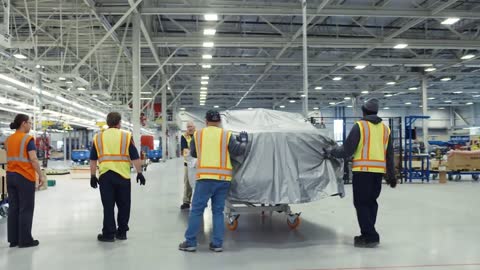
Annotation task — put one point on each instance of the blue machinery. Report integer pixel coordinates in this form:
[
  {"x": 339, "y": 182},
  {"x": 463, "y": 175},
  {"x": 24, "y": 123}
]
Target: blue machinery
[{"x": 411, "y": 173}]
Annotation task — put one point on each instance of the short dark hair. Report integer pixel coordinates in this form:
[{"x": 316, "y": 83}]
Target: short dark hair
[
  {"x": 19, "y": 119},
  {"x": 113, "y": 119}
]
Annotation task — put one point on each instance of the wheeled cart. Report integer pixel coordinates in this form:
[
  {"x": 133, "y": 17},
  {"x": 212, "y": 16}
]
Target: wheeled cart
[{"x": 234, "y": 208}]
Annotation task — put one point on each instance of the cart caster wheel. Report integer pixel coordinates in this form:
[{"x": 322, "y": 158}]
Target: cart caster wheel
[
  {"x": 232, "y": 225},
  {"x": 450, "y": 177},
  {"x": 434, "y": 176},
  {"x": 293, "y": 221},
  {"x": 458, "y": 177}
]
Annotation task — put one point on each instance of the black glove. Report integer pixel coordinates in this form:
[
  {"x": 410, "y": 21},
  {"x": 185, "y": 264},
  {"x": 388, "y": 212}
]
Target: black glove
[
  {"x": 141, "y": 179},
  {"x": 392, "y": 181},
  {"x": 327, "y": 154},
  {"x": 93, "y": 181},
  {"x": 243, "y": 137}
]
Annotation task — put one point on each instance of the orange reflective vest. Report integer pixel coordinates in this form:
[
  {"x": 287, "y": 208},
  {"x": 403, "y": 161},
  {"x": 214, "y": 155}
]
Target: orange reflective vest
[
  {"x": 213, "y": 159},
  {"x": 17, "y": 155},
  {"x": 370, "y": 154},
  {"x": 112, "y": 150}
]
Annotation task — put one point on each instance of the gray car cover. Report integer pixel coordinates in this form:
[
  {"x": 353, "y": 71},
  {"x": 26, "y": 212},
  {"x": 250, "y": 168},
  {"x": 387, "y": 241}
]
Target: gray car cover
[{"x": 283, "y": 163}]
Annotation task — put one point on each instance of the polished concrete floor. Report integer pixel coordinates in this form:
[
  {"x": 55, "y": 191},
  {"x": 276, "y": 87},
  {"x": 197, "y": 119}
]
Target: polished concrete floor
[{"x": 423, "y": 226}]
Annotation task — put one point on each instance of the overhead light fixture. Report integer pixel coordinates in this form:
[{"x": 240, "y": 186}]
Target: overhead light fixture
[
  {"x": 203, "y": 88},
  {"x": 448, "y": 101},
  {"x": 81, "y": 88},
  {"x": 211, "y": 17},
  {"x": 68, "y": 82},
  {"x": 412, "y": 88},
  {"x": 145, "y": 98},
  {"x": 207, "y": 56},
  {"x": 360, "y": 67},
  {"x": 391, "y": 83},
  {"x": 209, "y": 32},
  {"x": 203, "y": 92},
  {"x": 441, "y": 108},
  {"x": 145, "y": 93},
  {"x": 61, "y": 78},
  {"x": 446, "y": 79},
  {"x": 337, "y": 78},
  {"x": 347, "y": 98},
  {"x": 208, "y": 44},
  {"x": 202, "y": 104},
  {"x": 458, "y": 92},
  {"x": 315, "y": 108},
  {"x": 292, "y": 101},
  {"x": 94, "y": 96},
  {"x": 203, "y": 98},
  {"x": 303, "y": 95},
  {"x": 250, "y": 108},
  {"x": 431, "y": 98},
  {"x": 216, "y": 106},
  {"x": 408, "y": 103},
  {"x": 331, "y": 103},
  {"x": 469, "y": 103},
  {"x": 318, "y": 88},
  {"x": 388, "y": 95},
  {"x": 204, "y": 82},
  {"x": 282, "y": 106},
  {"x": 430, "y": 69},
  {"x": 19, "y": 56},
  {"x": 468, "y": 57},
  {"x": 206, "y": 66},
  {"x": 386, "y": 108},
  {"x": 450, "y": 21},
  {"x": 37, "y": 66},
  {"x": 365, "y": 92},
  {"x": 205, "y": 77},
  {"x": 182, "y": 109},
  {"x": 401, "y": 46}
]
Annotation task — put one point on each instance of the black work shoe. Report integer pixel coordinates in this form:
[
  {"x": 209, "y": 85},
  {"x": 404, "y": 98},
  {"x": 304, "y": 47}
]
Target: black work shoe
[
  {"x": 186, "y": 247},
  {"x": 34, "y": 243},
  {"x": 102, "y": 238},
  {"x": 185, "y": 206},
  {"x": 362, "y": 242},
  {"x": 215, "y": 248},
  {"x": 121, "y": 236},
  {"x": 12, "y": 245}
]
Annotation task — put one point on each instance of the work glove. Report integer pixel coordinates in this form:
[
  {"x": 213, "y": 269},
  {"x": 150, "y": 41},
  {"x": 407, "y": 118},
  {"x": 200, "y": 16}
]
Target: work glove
[
  {"x": 141, "y": 179},
  {"x": 93, "y": 181},
  {"x": 327, "y": 154},
  {"x": 243, "y": 137},
  {"x": 392, "y": 181}
]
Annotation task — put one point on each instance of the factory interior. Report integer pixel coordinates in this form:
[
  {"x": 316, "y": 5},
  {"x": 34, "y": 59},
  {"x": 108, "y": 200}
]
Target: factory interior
[{"x": 294, "y": 83}]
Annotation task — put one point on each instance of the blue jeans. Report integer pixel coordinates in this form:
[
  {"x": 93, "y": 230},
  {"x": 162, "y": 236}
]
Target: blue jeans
[{"x": 204, "y": 190}]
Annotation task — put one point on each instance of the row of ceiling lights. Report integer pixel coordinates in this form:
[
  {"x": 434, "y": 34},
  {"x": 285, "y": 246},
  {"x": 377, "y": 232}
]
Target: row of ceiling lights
[{"x": 209, "y": 32}]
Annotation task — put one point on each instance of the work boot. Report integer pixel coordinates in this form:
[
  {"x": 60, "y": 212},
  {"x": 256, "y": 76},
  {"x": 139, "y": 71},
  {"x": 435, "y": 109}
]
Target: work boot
[
  {"x": 34, "y": 243},
  {"x": 103, "y": 238},
  {"x": 121, "y": 236},
  {"x": 362, "y": 242},
  {"x": 12, "y": 245},
  {"x": 186, "y": 247},
  {"x": 185, "y": 206}
]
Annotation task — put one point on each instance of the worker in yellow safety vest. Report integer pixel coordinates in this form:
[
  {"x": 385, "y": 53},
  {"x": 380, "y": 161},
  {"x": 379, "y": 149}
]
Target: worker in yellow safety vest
[
  {"x": 113, "y": 151},
  {"x": 370, "y": 143},
  {"x": 22, "y": 164},
  {"x": 185, "y": 148},
  {"x": 213, "y": 147}
]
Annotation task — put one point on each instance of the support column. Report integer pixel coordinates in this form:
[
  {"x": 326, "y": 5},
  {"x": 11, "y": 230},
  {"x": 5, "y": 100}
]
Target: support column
[
  {"x": 70, "y": 145},
  {"x": 164, "y": 120},
  {"x": 425, "y": 112},
  {"x": 305, "y": 56},
  {"x": 136, "y": 77},
  {"x": 65, "y": 146}
]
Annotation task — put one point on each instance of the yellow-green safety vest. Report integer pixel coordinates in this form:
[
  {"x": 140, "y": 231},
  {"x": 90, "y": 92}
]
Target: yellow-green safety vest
[
  {"x": 370, "y": 154},
  {"x": 112, "y": 150}
]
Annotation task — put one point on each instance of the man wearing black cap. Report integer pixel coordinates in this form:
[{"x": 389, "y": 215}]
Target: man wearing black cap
[
  {"x": 212, "y": 146},
  {"x": 369, "y": 142}
]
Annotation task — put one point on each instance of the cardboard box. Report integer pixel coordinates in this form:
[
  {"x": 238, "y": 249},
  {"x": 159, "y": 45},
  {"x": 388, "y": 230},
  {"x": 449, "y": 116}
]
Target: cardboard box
[
  {"x": 442, "y": 177},
  {"x": 464, "y": 160}
]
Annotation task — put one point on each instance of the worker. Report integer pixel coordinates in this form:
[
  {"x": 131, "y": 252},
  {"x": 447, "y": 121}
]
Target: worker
[
  {"x": 370, "y": 143},
  {"x": 113, "y": 151},
  {"x": 185, "y": 148},
  {"x": 22, "y": 164},
  {"x": 213, "y": 147}
]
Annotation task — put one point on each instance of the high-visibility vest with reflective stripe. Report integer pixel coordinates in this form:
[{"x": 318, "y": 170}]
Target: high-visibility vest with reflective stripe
[
  {"x": 370, "y": 155},
  {"x": 213, "y": 159},
  {"x": 17, "y": 155},
  {"x": 188, "y": 138},
  {"x": 112, "y": 150}
]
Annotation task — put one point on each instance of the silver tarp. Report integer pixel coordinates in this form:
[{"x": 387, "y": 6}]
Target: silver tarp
[{"x": 283, "y": 163}]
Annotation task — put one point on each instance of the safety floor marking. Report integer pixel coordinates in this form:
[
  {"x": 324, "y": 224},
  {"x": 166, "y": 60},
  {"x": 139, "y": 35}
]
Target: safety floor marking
[{"x": 400, "y": 267}]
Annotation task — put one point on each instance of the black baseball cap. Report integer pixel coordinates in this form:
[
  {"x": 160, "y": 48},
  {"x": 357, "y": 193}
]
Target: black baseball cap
[{"x": 212, "y": 116}]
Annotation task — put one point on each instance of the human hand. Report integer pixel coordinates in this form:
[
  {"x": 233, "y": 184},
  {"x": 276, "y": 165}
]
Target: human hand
[
  {"x": 141, "y": 179},
  {"x": 93, "y": 181}
]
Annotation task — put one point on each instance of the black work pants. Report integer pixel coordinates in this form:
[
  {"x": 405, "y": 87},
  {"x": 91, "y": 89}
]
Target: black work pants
[
  {"x": 21, "y": 199},
  {"x": 366, "y": 189},
  {"x": 114, "y": 189}
]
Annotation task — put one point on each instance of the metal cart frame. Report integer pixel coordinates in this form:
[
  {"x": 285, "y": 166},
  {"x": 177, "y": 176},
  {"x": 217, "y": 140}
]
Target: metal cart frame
[{"x": 234, "y": 208}]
